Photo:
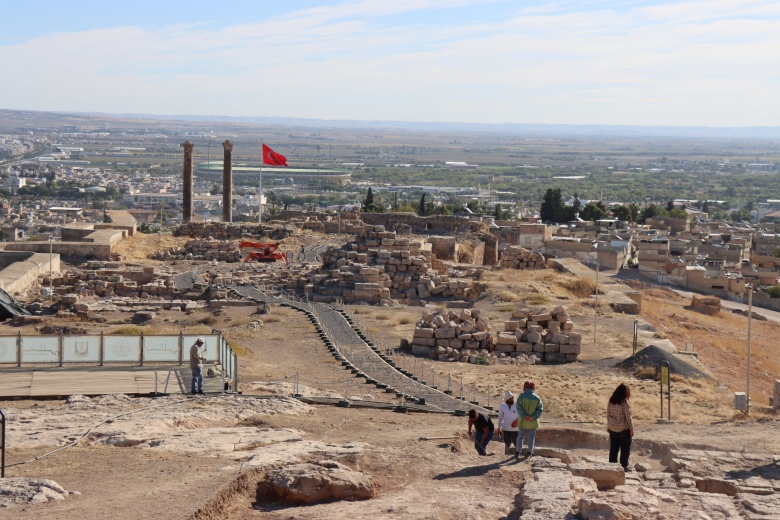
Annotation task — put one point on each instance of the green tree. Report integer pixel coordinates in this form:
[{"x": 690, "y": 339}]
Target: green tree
[
  {"x": 622, "y": 213},
  {"x": 423, "y": 207},
  {"x": 552, "y": 209},
  {"x": 216, "y": 189},
  {"x": 670, "y": 205},
  {"x": 593, "y": 211},
  {"x": 369, "y": 200},
  {"x": 648, "y": 212}
]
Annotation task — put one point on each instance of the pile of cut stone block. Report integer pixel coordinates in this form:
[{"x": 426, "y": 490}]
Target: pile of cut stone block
[
  {"x": 380, "y": 267},
  {"x": 454, "y": 335},
  {"x": 547, "y": 334},
  {"x": 516, "y": 257}
]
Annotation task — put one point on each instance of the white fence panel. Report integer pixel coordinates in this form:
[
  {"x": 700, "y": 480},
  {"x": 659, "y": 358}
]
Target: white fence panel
[
  {"x": 8, "y": 349},
  {"x": 121, "y": 348},
  {"x": 81, "y": 349},
  {"x": 40, "y": 349},
  {"x": 161, "y": 348}
]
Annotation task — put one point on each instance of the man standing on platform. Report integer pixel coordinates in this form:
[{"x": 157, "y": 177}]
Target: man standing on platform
[{"x": 196, "y": 365}]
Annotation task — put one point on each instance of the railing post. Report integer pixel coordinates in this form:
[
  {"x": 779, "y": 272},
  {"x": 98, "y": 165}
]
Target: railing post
[
  {"x": 297, "y": 392},
  {"x": 19, "y": 349},
  {"x": 142, "y": 349},
  {"x": 102, "y": 348},
  {"x": 235, "y": 371},
  {"x": 181, "y": 347},
  {"x": 59, "y": 347},
  {"x": 2, "y": 462}
]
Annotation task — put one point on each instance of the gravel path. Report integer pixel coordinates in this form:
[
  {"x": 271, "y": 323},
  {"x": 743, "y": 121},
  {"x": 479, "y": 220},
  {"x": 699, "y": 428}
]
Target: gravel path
[{"x": 352, "y": 346}]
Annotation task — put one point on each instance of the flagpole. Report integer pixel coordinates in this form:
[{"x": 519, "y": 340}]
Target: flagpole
[{"x": 260, "y": 195}]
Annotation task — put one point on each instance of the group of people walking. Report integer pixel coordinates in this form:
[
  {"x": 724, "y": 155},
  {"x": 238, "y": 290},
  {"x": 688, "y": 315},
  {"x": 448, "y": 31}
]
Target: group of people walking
[{"x": 518, "y": 422}]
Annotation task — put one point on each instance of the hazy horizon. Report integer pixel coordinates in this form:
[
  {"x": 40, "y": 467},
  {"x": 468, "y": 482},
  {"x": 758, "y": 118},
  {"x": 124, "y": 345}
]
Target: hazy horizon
[{"x": 618, "y": 62}]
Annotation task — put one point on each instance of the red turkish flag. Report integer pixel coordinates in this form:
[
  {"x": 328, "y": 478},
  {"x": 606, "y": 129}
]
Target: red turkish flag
[{"x": 273, "y": 158}]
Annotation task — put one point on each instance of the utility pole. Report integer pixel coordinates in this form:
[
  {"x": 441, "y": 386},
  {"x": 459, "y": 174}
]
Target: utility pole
[
  {"x": 596, "y": 306},
  {"x": 750, "y": 316}
]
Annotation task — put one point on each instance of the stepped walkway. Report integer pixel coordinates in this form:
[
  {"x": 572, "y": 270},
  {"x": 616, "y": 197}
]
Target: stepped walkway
[{"x": 362, "y": 358}]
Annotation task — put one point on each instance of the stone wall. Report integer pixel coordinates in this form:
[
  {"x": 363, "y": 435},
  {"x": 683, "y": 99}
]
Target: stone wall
[
  {"x": 438, "y": 224},
  {"x": 232, "y": 231}
]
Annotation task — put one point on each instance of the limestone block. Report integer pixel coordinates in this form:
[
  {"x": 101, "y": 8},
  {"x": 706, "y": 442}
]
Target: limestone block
[
  {"x": 506, "y": 348},
  {"x": 552, "y": 347},
  {"x": 423, "y": 333},
  {"x": 479, "y": 336},
  {"x": 421, "y": 350},
  {"x": 541, "y": 318},
  {"x": 510, "y": 325},
  {"x": 607, "y": 476},
  {"x": 554, "y": 453},
  {"x": 571, "y": 349},
  {"x": 472, "y": 344},
  {"x": 445, "y": 333},
  {"x": 575, "y": 339},
  {"x": 524, "y": 347},
  {"x": 534, "y": 337},
  {"x": 456, "y": 343},
  {"x": 504, "y": 338},
  {"x": 428, "y": 342},
  {"x": 560, "y": 339}
]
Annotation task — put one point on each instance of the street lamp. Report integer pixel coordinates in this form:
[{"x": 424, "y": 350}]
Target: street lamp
[
  {"x": 596, "y": 306},
  {"x": 750, "y": 317}
]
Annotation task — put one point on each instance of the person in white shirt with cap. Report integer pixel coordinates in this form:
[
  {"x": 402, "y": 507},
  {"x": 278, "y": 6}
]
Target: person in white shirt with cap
[{"x": 507, "y": 423}]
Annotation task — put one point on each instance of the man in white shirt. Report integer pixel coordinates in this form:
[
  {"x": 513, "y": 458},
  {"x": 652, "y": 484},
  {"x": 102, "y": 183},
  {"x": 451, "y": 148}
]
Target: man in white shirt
[
  {"x": 507, "y": 423},
  {"x": 196, "y": 365}
]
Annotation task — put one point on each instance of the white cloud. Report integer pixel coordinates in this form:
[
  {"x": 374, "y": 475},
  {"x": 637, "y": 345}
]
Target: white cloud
[{"x": 681, "y": 63}]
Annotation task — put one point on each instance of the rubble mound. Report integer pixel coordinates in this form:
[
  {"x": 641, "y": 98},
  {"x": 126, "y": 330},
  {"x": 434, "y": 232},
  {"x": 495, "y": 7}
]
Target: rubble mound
[
  {"x": 709, "y": 305},
  {"x": 651, "y": 357},
  {"x": 22, "y": 490},
  {"x": 312, "y": 483}
]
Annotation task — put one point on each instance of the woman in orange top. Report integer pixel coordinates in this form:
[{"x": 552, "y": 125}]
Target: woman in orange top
[{"x": 619, "y": 425}]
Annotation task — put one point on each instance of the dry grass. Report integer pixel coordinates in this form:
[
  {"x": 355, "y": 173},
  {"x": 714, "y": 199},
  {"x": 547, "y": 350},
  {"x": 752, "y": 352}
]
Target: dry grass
[
  {"x": 507, "y": 296},
  {"x": 720, "y": 340},
  {"x": 579, "y": 287},
  {"x": 537, "y": 299}
]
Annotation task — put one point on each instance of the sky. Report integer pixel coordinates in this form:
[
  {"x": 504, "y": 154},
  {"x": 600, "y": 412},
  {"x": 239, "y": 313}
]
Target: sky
[{"x": 683, "y": 63}]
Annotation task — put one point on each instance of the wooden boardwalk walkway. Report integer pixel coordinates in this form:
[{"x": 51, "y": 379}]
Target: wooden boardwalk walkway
[{"x": 48, "y": 382}]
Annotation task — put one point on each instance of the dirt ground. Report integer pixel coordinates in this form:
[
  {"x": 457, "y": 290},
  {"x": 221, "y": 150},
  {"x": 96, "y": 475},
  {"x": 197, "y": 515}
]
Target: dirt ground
[{"x": 441, "y": 479}]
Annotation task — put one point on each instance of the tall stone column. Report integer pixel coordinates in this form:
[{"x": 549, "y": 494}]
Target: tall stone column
[
  {"x": 227, "y": 183},
  {"x": 186, "y": 210}
]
